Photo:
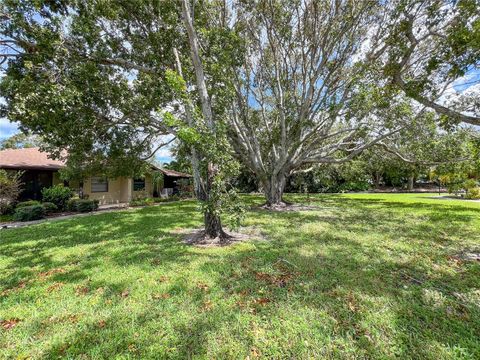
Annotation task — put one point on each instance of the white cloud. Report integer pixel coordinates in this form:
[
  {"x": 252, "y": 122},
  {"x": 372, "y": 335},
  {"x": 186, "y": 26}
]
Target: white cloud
[{"x": 7, "y": 128}]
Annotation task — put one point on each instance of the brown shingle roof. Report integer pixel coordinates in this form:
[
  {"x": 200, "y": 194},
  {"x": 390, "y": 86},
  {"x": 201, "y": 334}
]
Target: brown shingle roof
[
  {"x": 33, "y": 158},
  {"x": 174, "y": 173},
  {"x": 29, "y": 158}
]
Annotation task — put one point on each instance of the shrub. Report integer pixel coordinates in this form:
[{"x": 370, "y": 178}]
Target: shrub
[
  {"x": 82, "y": 205},
  {"x": 72, "y": 204},
  {"x": 29, "y": 213},
  {"x": 354, "y": 186},
  {"x": 49, "y": 207},
  {"x": 27, "y": 203},
  {"x": 142, "y": 202},
  {"x": 174, "y": 197},
  {"x": 58, "y": 194},
  {"x": 85, "y": 205},
  {"x": 10, "y": 188},
  {"x": 473, "y": 193},
  {"x": 469, "y": 184},
  {"x": 186, "y": 195}
]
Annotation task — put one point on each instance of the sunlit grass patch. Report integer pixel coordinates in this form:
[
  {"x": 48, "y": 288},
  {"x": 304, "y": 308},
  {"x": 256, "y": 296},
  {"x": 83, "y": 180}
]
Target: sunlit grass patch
[{"x": 360, "y": 276}]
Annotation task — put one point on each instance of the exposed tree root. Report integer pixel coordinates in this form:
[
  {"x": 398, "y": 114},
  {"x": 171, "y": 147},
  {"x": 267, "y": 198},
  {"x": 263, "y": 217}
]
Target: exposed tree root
[
  {"x": 198, "y": 237},
  {"x": 287, "y": 206}
]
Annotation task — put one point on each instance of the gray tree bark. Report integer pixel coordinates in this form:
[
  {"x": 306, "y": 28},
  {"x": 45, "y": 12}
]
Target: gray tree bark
[{"x": 212, "y": 221}]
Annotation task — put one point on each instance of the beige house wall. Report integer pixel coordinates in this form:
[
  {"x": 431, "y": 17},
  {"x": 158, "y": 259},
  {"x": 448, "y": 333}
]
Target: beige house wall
[
  {"x": 148, "y": 192},
  {"x": 120, "y": 190}
]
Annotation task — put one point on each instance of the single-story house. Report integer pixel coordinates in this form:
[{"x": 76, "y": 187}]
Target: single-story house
[{"x": 40, "y": 171}]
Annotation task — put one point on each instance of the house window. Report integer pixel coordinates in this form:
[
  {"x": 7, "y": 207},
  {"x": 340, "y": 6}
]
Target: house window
[
  {"x": 99, "y": 184},
  {"x": 138, "y": 184}
]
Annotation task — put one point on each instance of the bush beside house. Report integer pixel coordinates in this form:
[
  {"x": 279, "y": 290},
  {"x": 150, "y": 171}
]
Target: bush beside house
[
  {"x": 29, "y": 213},
  {"x": 10, "y": 188},
  {"x": 56, "y": 198},
  {"x": 58, "y": 195},
  {"x": 82, "y": 205}
]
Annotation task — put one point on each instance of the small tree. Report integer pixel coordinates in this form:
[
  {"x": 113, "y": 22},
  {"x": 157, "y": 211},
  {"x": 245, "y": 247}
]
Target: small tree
[
  {"x": 158, "y": 181},
  {"x": 10, "y": 189}
]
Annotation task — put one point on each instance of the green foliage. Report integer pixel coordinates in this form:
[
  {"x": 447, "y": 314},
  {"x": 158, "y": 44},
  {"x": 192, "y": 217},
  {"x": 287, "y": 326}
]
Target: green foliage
[
  {"x": 157, "y": 181},
  {"x": 58, "y": 194},
  {"x": 470, "y": 184},
  {"x": 72, "y": 204},
  {"x": 142, "y": 202},
  {"x": 29, "y": 213},
  {"x": 50, "y": 207},
  {"x": 353, "y": 186},
  {"x": 21, "y": 140},
  {"x": 86, "y": 205},
  {"x": 68, "y": 93},
  {"x": 82, "y": 205},
  {"x": 27, "y": 203},
  {"x": 472, "y": 189},
  {"x": 10, "y": 188},
  {"x": 453, "y": 181},
  {"x": 175, "y": 81},
  {"x": 473, "y": 193}
]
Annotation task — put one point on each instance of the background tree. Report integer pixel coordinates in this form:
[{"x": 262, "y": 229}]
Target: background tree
[
  {"x": 97, "y": 78},
  {"x": 423, "y": 48},
  {"x": 21, "y": 140},
  {"x": 302, "y": 96}
]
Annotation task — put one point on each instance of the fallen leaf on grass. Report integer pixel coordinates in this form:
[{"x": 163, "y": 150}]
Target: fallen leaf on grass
[
  {"x": 73, "y": 318},
  {"x": 244, "y": 292},
  {"x": 280, "y": 280},
  {"x": 9, "y": 324},
  {"x": 51, "y": 272},
  {"x": 207, "y": 305},
  {"x": 262, "y": 301},
  {"x": 81, "y": 290},
  {"x": 352, "y": 303},
  {"x": 132, "y": 348},
  {"x": 202, "y": 286},
  {"x": 254, "y": 354},
  {"x": 55, "y": 286},
  {"x": 161, "y": 296},
  {"x": 100, "y": 291},
  {"x": 125, "y": 293},
  {"x": 20, "y": 285}
]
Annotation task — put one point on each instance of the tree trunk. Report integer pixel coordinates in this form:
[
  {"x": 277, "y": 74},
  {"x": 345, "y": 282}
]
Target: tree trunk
[
  {"x": 273, "y": 188},
  {"x": 199, "y": 184},
  {"x": 410, "y": 183},
  {"x": 213, "y": 225},
  {"x": 377, "y": 178}
]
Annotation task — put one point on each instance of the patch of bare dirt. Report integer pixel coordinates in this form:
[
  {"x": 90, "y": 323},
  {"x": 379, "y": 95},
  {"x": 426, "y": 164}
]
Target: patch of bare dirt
[
  {"x": 197, "y": 237},
  {"x": 469, "y": 256},
  {"x": 289, "y": 207}
]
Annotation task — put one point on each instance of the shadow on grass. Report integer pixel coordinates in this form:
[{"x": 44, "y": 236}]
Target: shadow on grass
[{"x": 336, "y": 275}]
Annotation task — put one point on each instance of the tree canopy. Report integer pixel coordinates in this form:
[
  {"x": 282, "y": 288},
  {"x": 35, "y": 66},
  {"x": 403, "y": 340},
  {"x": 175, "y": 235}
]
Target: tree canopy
[{"x": 279, "y": 85}]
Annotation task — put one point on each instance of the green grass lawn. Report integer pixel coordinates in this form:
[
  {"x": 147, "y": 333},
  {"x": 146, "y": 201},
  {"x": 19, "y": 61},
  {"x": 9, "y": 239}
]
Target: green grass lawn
[{"x": 362, "y": 276}]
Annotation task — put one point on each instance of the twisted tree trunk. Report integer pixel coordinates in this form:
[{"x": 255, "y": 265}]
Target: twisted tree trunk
[
  {"x": 212, "y": 222},
  {"x": 273, "y": 187}
]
